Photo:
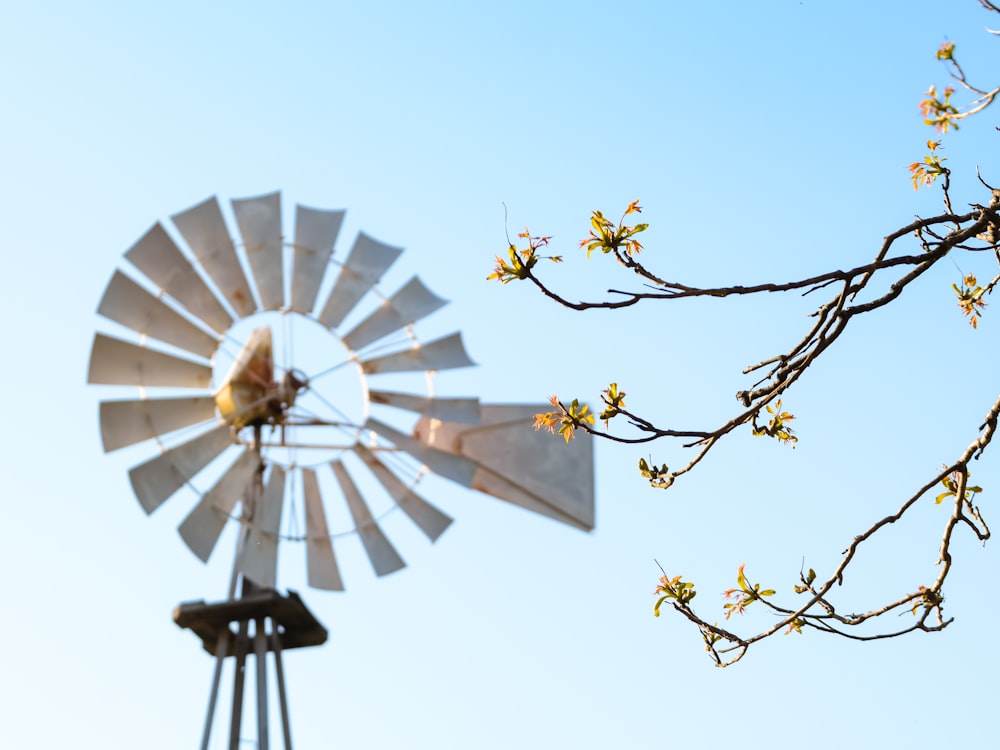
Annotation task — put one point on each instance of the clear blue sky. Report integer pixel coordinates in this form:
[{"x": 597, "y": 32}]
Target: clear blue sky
[{"x": 765, "y": 140}]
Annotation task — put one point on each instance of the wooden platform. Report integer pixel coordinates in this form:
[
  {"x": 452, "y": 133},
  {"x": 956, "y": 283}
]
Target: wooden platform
[{"x": 291, "y": 619}]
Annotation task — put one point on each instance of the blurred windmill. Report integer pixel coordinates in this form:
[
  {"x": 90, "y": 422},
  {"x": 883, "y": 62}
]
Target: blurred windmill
[{"x": 252, "y": 376}]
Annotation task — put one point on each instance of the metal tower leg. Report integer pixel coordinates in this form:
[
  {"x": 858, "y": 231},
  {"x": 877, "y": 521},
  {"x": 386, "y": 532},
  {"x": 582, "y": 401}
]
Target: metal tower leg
[
  {"x": 221, "y": 649},
  {"x": 279, "y": 671},
  {"x": 237, "y": 715},
  {"x": 260, "y": 657}
]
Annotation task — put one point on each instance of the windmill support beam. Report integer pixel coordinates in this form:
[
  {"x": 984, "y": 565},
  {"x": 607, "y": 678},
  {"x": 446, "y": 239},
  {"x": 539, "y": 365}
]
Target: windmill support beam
[
  {"x": 280, "y": 622},
  {"x": 221, "y": 649}
]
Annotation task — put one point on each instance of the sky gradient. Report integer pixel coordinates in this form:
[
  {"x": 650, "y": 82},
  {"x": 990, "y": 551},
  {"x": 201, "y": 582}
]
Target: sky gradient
[{"x": 765, "y": 142}]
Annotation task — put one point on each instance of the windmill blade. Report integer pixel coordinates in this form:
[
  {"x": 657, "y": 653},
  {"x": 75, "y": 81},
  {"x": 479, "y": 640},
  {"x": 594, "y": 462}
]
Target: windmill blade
[
  {"x": 321, "y": 564},
  {"x": 117, "y": 362},
  {"x": 205, "y": 232},
  {"x": 259, "y": 222},
  {"x": 522, "y": 466},
  {"x": 204, "y": 524},
  {"x": 408, "y": 305},
  {"x": 445, "y": 353},
  {"x": 429, "y": 519},
  {"x": 381, "y": 553},
  {"x": 259, "y": 561},
  {"x": 465, "y": 410},
  {"x": 448, "y": 465},
  {"x": 128, "y": 303},
  {"x": 315, "y": 233},
  {"x": 157, "y": 479},
  {"x": 159, "y": 258},
  {"x": 129, "y": 422},
  {"x": 367, "y": 261}
]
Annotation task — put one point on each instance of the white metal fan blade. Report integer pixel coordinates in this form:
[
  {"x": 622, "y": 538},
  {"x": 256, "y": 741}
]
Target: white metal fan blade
[
  {"x": 321, "y": 564},
  {"x": 260, "y": 554},
  {"x": 117, "y": 362},
  {"x": 520, "y": 465},
  {"x": 442, "y": 354},
  {"x": 159, "y": 258},
  {"x": 128, "y": 303},
  {"x": 448, "y": 465},
  {"x": 128, "y": 422},
  {"x": 429, "y": 519},
  {"x": 381, "y": 553},
  {"x": 315, "y": 232},
  {"x": 204, "y": 524},
  {"x": 408, "y": 305},
  {"x": 465, "y": 410},
  {"x": 259, "y": 221},
  {"x": 365, "y": 265},
  {"x": 205, "y": 232},
  {"x": 157, "y": 479}
]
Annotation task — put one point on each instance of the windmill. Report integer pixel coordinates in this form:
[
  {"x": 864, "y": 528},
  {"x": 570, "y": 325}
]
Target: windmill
[{"x": 263, "y": 378}]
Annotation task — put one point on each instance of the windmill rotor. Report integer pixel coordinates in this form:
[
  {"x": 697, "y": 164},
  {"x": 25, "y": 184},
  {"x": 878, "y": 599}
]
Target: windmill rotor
[{"x": 208, "y": 345}]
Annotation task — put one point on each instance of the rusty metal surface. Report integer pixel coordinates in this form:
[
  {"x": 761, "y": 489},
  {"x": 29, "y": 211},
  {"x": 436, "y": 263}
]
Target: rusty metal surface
[
  {"x": 321, "y": 563},
  {"x": 205, "y": 232},
  {"x": 446, "y": 353},
  {"x": 520, "y": 465},
  {"x": 381, "y": 553},
  {"x": 409, "y": 304},
  {"x": 117, "y": 362},
  {"x": 260, "y": 554},
  {"x": 259, "y": 222},
  {"x": 156, "y": 480},
  {"x": 132, "y": 306},
  {"x": 204, "y": 524},
  {"x": 316, "y": 232},
  {"x": 364, "y": 266},
  {"x": 428, "y": 519},
  {"x": 457, "y": 468},
  {"x": 128, "y": 422},
  {"x": 159, "y": 258},
  {"x": 465, "y": 410}
]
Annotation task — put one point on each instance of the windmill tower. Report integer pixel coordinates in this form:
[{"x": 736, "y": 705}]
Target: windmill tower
[{"x": 256, "y": 373}]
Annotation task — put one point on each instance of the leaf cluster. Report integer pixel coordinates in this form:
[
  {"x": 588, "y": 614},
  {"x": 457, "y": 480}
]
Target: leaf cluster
[
  {"x": 566, "y": 420},
  {"x": 777, "y": 427},
  {"x": 609, "y": 238},
  {"x": 744, "y": 595}
]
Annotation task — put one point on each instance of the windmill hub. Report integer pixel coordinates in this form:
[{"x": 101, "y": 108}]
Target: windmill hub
[{"x": 296, "y": 380}]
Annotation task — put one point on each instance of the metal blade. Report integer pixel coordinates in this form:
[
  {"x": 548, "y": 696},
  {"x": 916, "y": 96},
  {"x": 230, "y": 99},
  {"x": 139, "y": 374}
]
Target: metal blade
[
  {"x": 382, "y": 554},
  {"x": 321, "y": 564},
  {"x": 206, "y": 234},
  {"x": 448, "y": 465},
  {"x": 129, "y": 422},
  {"x": 465, "y": 410},
  {"x": 408, "y": 305},
  {"x": 260, "y": 554},
  {"x": 156, "y": 480},
  {"x": 259, "y": 221},
  {"x": 159, "y": 258},
  {"x": 363, "y": 268},
  {"x": 520, "y": 465},
  {"x": 128, "y": 303},
  {"x": 204, "y": 524},
  {"x": 117, "y": 362},
  {"x": 430, "y": 520},
  {"x": 315, "y": 233},
  {"x": 443, "y": 354}
]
